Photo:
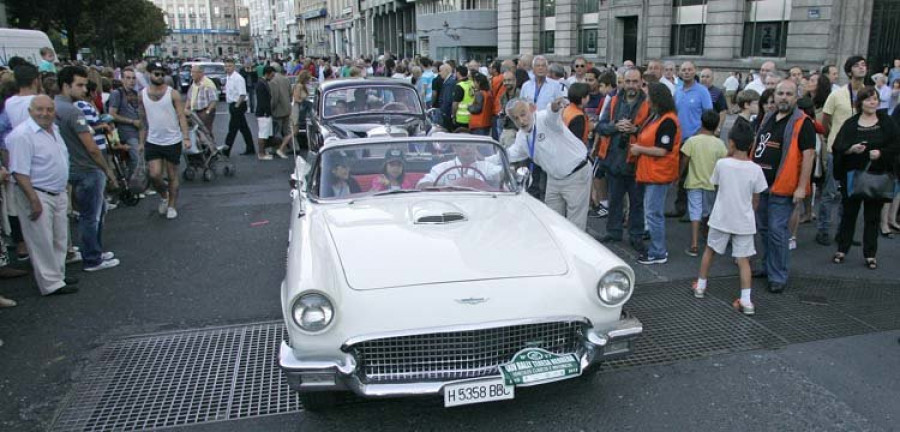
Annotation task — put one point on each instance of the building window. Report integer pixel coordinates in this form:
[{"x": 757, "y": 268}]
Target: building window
[
  {"x": 678, "y": 3},
  {"x": 587, "y": 41},
  {"x": 588, "y": 6},
  {"x": 548, "y": 42},
  {"x": 548, "y": 9},
  {"x": 764, "y": 39},
  {"x": 687, "y": 39},
  {"x": 216, "y": 10}
]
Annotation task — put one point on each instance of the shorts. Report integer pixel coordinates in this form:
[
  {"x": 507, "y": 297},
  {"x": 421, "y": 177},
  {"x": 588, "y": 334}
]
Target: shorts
[
  {"x": 700, "y": 203},
  {"x": 264, "y": 124},
  {"x": 741, "y": 244},
  {"x": 170, "y": 153},
  {"x": 281, "y": 127},
  {"x": 599, "y": 169}
]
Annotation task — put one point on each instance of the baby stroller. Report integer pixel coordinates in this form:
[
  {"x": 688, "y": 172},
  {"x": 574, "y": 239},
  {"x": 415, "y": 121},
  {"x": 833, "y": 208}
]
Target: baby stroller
[
  {"x": 203, "y": 156},
  {"x": 118, "y": 158}
]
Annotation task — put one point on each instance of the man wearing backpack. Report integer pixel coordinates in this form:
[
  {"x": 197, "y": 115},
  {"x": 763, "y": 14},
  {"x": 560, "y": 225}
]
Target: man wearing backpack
[{"x": 123, "y": 107}]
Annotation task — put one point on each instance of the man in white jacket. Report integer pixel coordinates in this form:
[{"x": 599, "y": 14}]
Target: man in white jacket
[{"x": 543, "y": 138}]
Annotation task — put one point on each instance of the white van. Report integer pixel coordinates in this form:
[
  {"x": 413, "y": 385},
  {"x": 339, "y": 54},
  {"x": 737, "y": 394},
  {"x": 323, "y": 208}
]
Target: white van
[{"x": 23, "y": 43}]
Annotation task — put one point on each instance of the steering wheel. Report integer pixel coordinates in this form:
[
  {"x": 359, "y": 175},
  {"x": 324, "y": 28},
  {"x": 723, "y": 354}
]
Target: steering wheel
[
  {"x": 395, "y": 107},
  {"x": 463, "y": 180}
]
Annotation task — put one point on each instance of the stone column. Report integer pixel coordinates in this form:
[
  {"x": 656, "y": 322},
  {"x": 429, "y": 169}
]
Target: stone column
[
  {"x": 566, "y": 27},
  {"x": 529, "y": 26},
  {"x": 724, "y": 28},
  {"x": 507, "y": 24},
  {"x": 658, "y": 25}
]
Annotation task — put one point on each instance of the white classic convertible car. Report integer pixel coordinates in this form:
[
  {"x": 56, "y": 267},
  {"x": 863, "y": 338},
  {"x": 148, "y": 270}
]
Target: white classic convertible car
[{"x": 419, "y": 266}]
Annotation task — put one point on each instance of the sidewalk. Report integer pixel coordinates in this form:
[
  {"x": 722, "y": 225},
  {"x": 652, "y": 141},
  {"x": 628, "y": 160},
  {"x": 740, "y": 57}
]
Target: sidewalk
[{"x": 809, "y": 259}]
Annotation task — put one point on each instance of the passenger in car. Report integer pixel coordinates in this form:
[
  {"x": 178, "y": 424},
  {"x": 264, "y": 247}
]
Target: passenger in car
[
  {"x": 339, "y": 182},
  {"x": 393, "y": 176}
]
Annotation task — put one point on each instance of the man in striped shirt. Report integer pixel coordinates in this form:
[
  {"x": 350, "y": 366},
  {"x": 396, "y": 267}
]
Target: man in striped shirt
[{"x": 93, "y": 117}]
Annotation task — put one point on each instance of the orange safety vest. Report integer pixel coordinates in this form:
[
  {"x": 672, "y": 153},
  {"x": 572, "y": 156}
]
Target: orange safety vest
[
  {"x": 787, "y": 177},
  {"x": 571, "y": 112},
  {"x": 483, "y": 119},
  {"x": 658, "y": 170},
  {"x": 643, "y": 113}
]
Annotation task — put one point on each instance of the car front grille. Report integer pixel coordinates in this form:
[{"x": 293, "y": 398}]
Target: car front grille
[{"x": 458, "y": 354}]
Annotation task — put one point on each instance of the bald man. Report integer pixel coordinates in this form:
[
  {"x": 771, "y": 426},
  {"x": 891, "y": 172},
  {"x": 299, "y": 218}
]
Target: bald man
[
  {"x": 758, "y": 84},
  {"x": 39, "y": 161},
  {"x": 691, "y": 99}
]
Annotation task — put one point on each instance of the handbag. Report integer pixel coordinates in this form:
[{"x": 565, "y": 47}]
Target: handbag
[
  {"x": 870, "y": 186},
  {"x": 139, "y": 181}
]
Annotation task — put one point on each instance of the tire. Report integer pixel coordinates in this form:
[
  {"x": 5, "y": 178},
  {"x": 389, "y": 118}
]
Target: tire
[
  {"x": 189, "y": 174},
  {"x": 228, "y": 170},
  {"x": 129, "y": 198},
  {"x": 209, "y": 175},
  {"x": 318, "y": 401}
]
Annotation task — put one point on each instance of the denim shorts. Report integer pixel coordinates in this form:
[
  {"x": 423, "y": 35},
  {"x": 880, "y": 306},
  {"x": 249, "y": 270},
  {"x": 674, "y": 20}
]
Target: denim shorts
[{"x": 700, "y": 203}]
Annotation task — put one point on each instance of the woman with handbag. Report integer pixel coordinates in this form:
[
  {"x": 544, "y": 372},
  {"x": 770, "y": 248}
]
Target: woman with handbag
[{"x": 864, "y": 150}]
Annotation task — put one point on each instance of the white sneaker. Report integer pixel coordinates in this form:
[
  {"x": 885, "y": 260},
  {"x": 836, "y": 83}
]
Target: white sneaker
[
  {"x": 281, "y": 154},
  {"x": 150, "y": 192},
  {"x": 105, "y": 264},
  {"x": 792, "y": 243},
  {"x": 171, "y": 213},
  {"x": 73, "y": 257},
  {"x": 163, "y": 205},
  {"x": 111, "y": 206}
]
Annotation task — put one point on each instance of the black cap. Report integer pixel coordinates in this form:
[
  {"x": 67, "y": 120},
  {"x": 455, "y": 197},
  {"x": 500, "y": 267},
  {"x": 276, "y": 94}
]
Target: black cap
[
  {"x": 155, "y": 66},
  {"x": 393, "y": 154}
]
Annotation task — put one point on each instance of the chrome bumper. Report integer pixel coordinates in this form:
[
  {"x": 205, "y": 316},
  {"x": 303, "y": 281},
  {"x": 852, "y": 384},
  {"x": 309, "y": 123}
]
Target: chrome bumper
[{"x": 604, "y": 342}]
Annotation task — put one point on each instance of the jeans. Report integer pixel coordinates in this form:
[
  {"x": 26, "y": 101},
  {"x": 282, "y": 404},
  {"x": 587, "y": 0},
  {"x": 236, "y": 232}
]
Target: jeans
[
  {"x": 618, "y": 187},
  {"x": 498, "y": 127},
  {"x": 133, "y": 155},
  {"x": 654, "y": 213},
  {"x": 88, "y": 190},
  {"x": 772, "y": 217},
  {"x": 829, "y": 200}
]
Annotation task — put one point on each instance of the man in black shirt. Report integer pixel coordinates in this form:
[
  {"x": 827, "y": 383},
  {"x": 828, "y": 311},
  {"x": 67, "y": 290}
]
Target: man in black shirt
[{"x": 786, "y": 158}]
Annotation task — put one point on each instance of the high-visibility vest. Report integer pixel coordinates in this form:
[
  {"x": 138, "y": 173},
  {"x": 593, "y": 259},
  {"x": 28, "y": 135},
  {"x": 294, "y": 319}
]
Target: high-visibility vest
[
  {"x": 787, "y": 177},
  {"x": 462, "y": 112},
  {"x": 658, "y": 170},
  {"x": 643, "y": 112},
  {"x": 571, "y": 113},
  {"x": 483, "y": 119}
]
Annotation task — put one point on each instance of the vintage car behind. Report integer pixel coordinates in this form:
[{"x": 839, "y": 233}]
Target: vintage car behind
[
  {"x": 448, "y": 281},
  {"x": 363, "y": 107},
  {"x": 213, "y": 70}
]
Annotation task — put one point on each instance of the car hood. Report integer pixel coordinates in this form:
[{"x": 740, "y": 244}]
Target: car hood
[{"x": 395, "y": 242}]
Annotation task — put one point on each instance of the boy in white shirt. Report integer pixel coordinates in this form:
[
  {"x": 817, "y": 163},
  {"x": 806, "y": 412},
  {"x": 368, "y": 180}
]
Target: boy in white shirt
[{"x": 733, "y": 220}]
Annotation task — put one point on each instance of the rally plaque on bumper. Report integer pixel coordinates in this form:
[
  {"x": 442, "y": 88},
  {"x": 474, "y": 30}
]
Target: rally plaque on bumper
[{"x": 528, "y": 367}]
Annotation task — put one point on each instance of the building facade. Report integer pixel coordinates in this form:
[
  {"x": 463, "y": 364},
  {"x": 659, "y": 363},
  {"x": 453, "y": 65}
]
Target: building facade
[
  {"x": 723, "y": 34},
  {"x": 457, "y": 29},
  {"x": 390, "y": 27},
  {"x": 313, "y": 17},
  {"x": 201, "y": 28}
]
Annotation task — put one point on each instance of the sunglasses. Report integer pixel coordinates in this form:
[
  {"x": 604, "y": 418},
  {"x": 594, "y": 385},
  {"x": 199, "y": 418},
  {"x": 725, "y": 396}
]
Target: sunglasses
[{"x": 579, "y": 65}]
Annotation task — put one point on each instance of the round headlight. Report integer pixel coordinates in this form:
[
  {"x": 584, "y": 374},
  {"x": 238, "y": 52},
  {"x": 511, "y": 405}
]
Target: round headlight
[
  {"x": 313, "y": 312},
  {"x": 613, "y": 288}
]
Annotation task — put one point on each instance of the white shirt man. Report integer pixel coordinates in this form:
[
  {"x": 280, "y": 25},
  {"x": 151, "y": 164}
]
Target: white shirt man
[
  {"x": 39, "y": 160},
  {"x": 465, "y": 165},
  {"x": 544, "y": 138},
  {"x": 235, "y": 87},
  {"x": 758, "y": 85}
]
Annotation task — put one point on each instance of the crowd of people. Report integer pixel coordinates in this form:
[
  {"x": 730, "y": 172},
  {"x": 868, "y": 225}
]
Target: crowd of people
[{"x": 755, "y": 158}]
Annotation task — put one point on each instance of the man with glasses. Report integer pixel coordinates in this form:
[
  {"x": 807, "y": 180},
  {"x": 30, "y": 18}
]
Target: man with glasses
[
  {"x": 668, "y": 77},
  {"x": 163, "y": 133},
  {"x": 786, "y": 159},
  {"x": 579, "y": 67},
  {"x": 123, "y": 107}
]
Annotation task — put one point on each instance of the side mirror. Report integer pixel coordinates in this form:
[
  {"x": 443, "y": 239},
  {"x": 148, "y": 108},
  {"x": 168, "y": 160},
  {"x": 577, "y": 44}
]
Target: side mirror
[
  {"x": 523, "y": 177},
  {"x": 298, "y": 177}
]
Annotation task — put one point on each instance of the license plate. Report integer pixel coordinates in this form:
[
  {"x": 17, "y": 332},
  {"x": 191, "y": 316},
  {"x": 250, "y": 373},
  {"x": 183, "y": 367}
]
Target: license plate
[{"x": 472, "y": 392}]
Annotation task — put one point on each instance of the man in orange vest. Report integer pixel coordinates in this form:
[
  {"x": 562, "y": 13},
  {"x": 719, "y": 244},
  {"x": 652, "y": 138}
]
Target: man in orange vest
[
  {"x": 617, "y": 127},
  {"x": 785, "y": 150}
]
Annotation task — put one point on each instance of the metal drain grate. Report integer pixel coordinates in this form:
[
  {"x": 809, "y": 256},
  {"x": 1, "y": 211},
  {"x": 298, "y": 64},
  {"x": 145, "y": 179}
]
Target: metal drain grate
[
  {"x": 181, "y": 379},
  {"x": 230, "y": 373}
]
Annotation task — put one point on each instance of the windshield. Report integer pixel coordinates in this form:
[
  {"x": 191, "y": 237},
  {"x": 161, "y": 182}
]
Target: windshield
[
  {"x": 421, "y": 166},
  {"x": 373, "y": 100},
  {"x": 214, "y": 69}
]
